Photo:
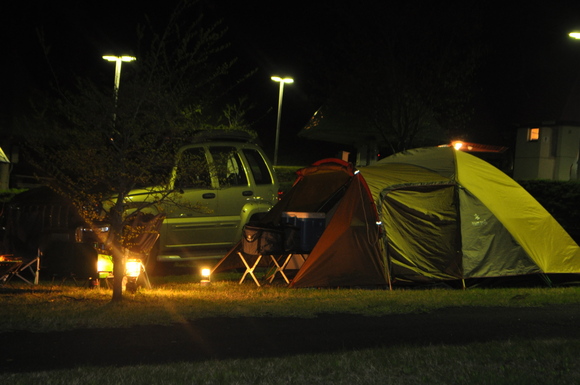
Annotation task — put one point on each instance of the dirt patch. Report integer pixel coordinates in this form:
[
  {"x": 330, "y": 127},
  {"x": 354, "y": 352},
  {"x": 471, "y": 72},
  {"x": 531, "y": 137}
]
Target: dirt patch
[{"x": 223, "y": 338}]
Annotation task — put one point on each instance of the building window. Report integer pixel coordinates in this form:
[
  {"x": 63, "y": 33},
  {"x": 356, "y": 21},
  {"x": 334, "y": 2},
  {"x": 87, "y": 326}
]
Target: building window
[{"x": 533, "y": 134}]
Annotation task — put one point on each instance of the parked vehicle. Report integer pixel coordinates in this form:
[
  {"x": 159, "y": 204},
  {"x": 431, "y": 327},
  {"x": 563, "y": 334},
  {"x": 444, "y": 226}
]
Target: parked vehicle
[{"x": 232, "y": 183}]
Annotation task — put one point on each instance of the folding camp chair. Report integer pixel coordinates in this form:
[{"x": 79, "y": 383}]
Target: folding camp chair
[
  {"x": 279, "y": 268},
  {"x": 259, "y": 240},
  {"x": 286, "y": 260},
  {"x": 9, "y": 266},
  {"x": 250, "y": 267}
]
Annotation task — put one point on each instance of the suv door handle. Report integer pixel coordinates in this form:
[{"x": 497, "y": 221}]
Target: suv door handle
[
  {"x": 247, "y": 193},
  {"x": 208, "y": 196}
]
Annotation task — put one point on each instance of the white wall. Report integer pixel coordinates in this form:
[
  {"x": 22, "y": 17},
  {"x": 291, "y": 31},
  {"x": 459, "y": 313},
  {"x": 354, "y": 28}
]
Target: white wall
[{"x": 550, "y": 157}]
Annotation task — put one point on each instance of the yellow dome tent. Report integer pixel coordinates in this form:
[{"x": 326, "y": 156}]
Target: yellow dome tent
[{"x": 450, "y": 215}]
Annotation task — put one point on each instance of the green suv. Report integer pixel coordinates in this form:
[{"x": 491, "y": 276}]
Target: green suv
[{"x": 231, "y": 183}]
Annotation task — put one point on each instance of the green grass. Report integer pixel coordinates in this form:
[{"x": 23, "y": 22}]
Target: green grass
[
  {"x": 59, "y": 307},
  {"x": 510, "y": 362},
  {"x": 178, "y": 299}
]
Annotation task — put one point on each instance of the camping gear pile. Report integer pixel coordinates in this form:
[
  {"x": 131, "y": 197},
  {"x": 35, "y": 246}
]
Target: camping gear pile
[
  {"x": 348, "y": 250},
  {"x": 421, "y": 216},
  {"x": 141, "y": 231}
]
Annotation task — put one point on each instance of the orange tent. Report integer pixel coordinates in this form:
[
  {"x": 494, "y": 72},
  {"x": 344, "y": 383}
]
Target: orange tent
[{"x": 348, "y": 252}]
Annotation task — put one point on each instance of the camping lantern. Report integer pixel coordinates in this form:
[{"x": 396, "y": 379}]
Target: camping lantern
[
  {"x": 132, "y": 272},
  {"x": 205, "y": 274},
  {"x": 104, "y": 265},
  {"x": 133, "y": 268}
]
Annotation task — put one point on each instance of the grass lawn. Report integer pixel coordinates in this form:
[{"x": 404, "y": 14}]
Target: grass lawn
[
  {"x": 510, "y": 362},
  {"x": 48, "y": 307}
]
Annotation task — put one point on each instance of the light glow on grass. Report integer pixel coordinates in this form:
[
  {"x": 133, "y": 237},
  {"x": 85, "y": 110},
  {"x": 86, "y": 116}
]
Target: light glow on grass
[{"x": 50, "y": 307}]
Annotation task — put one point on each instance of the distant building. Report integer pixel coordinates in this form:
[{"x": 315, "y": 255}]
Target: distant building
[{"x": 549, "y": 150}]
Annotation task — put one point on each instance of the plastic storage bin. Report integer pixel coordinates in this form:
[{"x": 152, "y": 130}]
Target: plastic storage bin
[{"x": 310, "y": 227}]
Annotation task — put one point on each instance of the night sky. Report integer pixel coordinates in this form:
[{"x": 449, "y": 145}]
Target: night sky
[{"x": 529, "y": 73}]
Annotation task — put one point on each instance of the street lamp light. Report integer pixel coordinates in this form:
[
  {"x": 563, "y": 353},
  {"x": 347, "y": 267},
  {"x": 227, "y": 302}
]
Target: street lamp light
[
  {"x": 118, "y": 60},
  {"x": 281, "y": 81},
  {"x": 575, "y": 35}
]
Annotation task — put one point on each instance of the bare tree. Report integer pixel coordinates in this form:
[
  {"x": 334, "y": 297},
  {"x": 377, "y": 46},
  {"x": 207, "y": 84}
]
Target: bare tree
[{"x": 98, "y": 147}]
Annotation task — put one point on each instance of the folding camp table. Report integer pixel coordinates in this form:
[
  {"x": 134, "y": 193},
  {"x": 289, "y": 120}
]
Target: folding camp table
[{"x": 11, "y": 266}]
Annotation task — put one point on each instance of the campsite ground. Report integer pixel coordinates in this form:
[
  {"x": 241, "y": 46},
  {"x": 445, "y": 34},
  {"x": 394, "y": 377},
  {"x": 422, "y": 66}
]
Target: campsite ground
[{"x": 253, "y": 337}]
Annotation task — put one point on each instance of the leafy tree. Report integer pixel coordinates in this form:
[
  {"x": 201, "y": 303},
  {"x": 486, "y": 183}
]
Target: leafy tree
[{"x": 98, "y": 146}]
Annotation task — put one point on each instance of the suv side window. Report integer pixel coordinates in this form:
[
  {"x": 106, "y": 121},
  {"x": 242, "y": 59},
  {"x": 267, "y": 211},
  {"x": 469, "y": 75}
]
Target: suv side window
[
  {"x": 193, "y": 169},
  {"x": 228, "y": 166},
  {"x": 258, "y": 166}
]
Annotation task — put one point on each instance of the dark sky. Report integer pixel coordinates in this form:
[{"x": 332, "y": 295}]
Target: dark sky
[{"x": 528, "y": 72}]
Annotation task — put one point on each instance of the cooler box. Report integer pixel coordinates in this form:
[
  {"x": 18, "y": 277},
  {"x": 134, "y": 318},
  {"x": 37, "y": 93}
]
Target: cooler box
[{"x": 310, "y": 227}]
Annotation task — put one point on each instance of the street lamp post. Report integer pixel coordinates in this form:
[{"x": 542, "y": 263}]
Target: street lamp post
[
  {"x": 118, "y": 60},
  {"x": 574, "y": 167},
  {"x": 281, "y": 81}
]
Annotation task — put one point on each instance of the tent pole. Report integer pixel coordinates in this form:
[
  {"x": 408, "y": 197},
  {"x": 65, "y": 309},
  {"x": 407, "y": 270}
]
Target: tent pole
[{"x": 463, "y": 283}]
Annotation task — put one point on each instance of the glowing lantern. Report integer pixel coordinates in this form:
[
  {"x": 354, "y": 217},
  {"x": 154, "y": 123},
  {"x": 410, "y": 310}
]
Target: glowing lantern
[
  {"x": 133, "y": 268},
  {"x": 205, "y": 273}
]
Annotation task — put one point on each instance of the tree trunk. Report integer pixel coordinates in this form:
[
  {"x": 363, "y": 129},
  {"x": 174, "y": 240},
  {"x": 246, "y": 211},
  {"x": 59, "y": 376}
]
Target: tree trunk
[
  {"x": 116, "y": 232},
  {"x": 118, "y": 273}
]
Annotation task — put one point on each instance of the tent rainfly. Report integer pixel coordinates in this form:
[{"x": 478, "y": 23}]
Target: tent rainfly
[
  {"x": 450, "y": 215},
  {"x": 423, "y": 215}
]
